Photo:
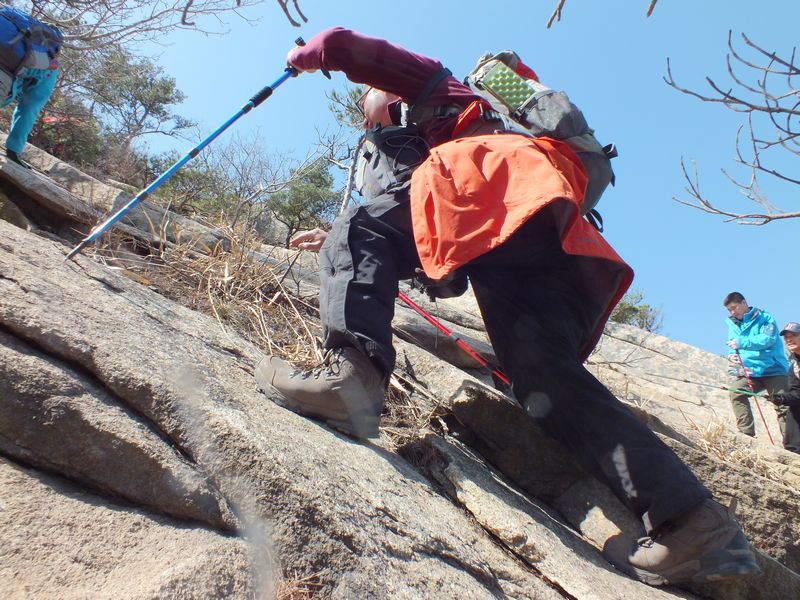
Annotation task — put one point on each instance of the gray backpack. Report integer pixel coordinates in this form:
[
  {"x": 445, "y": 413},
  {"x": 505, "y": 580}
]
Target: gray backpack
[{"x": 533, "y": 109}]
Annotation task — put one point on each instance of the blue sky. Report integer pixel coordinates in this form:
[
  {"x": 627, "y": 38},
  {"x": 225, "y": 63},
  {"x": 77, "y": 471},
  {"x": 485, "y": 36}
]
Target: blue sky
[{"x": 611, "y": 60}]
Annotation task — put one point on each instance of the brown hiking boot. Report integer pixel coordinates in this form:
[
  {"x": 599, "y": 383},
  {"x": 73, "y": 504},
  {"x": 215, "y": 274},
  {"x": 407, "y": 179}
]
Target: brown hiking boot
[
  {"x": 346, "y": 391},
  {"x": 705, "y": 544}
]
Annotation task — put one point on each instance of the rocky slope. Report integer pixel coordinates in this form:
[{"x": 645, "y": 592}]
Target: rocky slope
[{"x": 138, "y": 460}]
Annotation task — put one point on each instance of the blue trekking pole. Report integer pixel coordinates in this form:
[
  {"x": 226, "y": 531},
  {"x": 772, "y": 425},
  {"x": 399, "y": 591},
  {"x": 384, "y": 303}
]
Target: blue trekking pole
[{"x": 262, "y": 95}]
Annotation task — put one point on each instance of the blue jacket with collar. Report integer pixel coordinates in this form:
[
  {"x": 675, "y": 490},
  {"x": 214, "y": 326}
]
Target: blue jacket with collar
[{"x": 759, "y": 343}]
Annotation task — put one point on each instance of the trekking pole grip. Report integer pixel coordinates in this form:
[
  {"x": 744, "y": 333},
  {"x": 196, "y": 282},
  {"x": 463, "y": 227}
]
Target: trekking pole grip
[
  {"x": 290, "y": 71},
  {"x": 267, "y": 90}
]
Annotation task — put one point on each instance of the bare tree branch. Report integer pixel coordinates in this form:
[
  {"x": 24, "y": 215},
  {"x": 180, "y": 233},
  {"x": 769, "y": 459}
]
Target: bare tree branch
[
  {"x": 702, "y": 203},
  {"x": 771, "y": 103},
  {"x": 556, "y": 16},
  {"x": 351, "y": 176},
  {"x": 90, "y": 24},
  {"x": 283, "y": 5},
  {"x": 185, "y": 18}
]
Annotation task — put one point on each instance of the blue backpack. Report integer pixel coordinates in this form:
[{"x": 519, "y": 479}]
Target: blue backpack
[{"x": 25, "y": 42}]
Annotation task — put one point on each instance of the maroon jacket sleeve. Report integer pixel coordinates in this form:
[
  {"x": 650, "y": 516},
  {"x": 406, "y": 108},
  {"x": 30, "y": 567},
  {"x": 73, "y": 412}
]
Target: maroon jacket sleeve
[{"x": 380, "y": 64}]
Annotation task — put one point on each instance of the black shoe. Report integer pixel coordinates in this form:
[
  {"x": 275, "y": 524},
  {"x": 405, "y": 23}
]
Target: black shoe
[{"x": 16, "y": 158}]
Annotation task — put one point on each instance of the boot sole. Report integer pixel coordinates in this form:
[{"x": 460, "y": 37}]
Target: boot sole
[
  {"x": 735, "y": 560},
  {"x": 342, "y": 420}
]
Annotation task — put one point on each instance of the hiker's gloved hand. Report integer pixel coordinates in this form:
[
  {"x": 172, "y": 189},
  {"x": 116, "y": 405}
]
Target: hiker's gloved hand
[
  {"x": 450, "y": 286},
  {"x": 734, "y": 344},
  {"x": 784, "y": 400},
  {"x": 309, "y": 240}
]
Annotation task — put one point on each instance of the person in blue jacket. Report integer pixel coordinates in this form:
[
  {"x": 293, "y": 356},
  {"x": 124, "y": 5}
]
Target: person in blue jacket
[
  {"x": 32, "y": 88},
  {"x": 755, "y": 357}
]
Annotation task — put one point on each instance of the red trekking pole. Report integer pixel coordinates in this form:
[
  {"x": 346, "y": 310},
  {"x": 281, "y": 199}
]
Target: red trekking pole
[
  {"x": 755, "y": 398},
  {"x": 459, "y": 342}
]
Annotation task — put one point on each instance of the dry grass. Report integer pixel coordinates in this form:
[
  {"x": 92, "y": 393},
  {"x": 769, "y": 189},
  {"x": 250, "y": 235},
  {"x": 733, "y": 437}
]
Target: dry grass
[
  {"x": 404, "y": 417},
  {"x": 228, "y": 283},
  {"x": 250, "y": 298},
  {"x": 717, "y": 441},
  {"x": 299, "y": 588}
]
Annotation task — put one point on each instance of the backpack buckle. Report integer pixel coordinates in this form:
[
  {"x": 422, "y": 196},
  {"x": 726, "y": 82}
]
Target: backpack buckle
[{"x": 610, "y": 150}]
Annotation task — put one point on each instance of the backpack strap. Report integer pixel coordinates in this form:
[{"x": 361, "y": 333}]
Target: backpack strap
[
  {"x": 611, "y": 151},
  {"x": 417, "y": 111},
  {"x": 595, "y": 219},
  {"x": 587, "y": 143},
  {"x": 26, "y": 41},
  {"x": 429, "y": 87},
  {"x": 23, "y": 35}
]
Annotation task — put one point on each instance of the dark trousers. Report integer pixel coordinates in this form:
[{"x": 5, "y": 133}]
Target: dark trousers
[
  {"x": 791, "y": 433},
  {"x": 368, "y": 250},
  {"x": 534, "y": 302},
  {"x": 535, "y": 307}
]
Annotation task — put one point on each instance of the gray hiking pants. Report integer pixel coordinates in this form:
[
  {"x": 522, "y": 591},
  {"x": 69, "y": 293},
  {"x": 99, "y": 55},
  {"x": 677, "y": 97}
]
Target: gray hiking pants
[{"x": 536, "y": 314}]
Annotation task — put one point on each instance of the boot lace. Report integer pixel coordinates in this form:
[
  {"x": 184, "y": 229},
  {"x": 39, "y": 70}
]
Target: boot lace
[
  {"x": 653, "y": 538},
  {"x": 330, "y": 366}
]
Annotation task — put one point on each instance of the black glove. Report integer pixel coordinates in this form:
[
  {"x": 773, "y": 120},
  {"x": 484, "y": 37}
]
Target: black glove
[
  {"x": 779, "y": 399},
  {"x": 450, "y": 286}
]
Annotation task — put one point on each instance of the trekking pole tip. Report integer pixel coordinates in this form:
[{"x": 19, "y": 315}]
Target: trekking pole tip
[{"x": 75, "y": 250}]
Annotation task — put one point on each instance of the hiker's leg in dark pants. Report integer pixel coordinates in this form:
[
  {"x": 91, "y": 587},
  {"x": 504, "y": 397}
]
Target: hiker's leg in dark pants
[
  {"x": 791, "y": 439},
  {"x": 778, "y": 384},
  {"x": 740, "y": 403},
  {"x": 537, "y": 324},
  {"x": 368, "y": 250}
]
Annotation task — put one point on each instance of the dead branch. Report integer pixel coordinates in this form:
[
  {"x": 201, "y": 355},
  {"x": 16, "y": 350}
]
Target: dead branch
[
  {"x": 351, "y": 175},
  {"x": 702, "y": 203},
  {"x": 185, "y": 18},
  {"x": 769, "y": 104},
  {"x": 283, "y": 5},
  {"x": 94, "y": 24},
  {"x": 556, "y": 15}
]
